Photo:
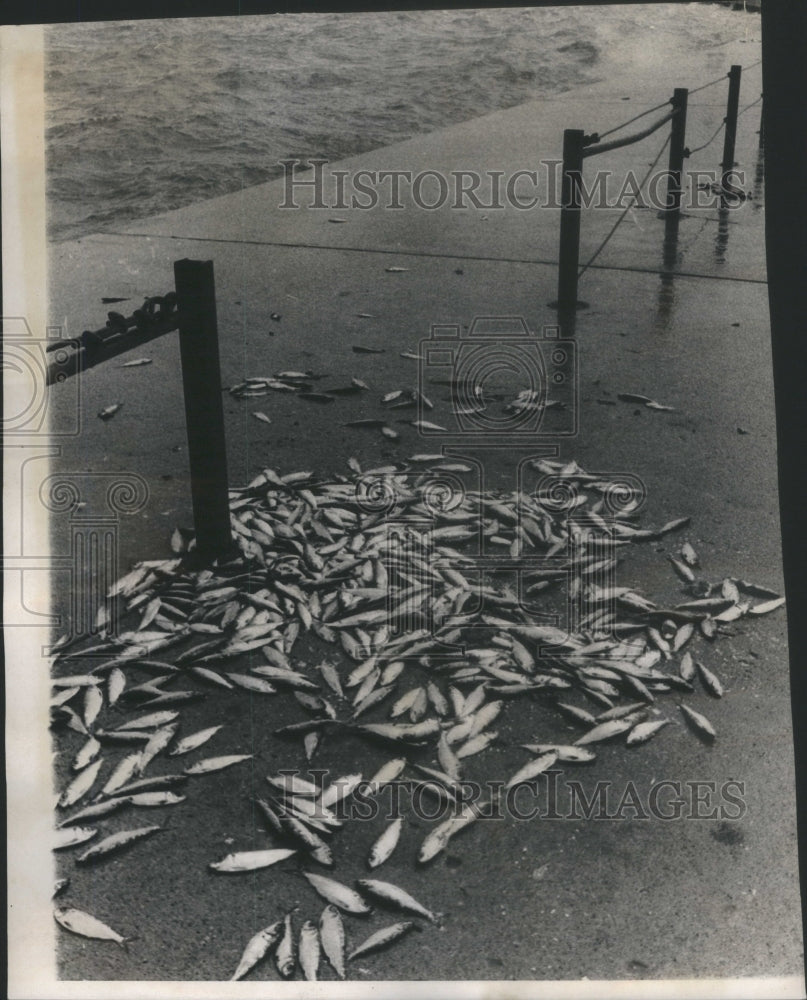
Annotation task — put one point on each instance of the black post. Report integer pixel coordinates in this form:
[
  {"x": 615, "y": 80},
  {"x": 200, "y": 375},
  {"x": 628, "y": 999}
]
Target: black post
[
  {"x": 204, "y": 415},
  {"x": 677, "y": 139},
  {"x": 569, "y": 252},
  {"x": 731, "y": 123}
]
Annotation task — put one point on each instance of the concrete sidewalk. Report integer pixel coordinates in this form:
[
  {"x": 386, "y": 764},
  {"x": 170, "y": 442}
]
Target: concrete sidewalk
[{"x": 564, "y": 900}]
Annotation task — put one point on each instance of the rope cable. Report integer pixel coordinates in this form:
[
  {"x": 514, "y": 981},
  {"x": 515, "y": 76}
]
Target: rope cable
[{"x": 628, "y": 207}]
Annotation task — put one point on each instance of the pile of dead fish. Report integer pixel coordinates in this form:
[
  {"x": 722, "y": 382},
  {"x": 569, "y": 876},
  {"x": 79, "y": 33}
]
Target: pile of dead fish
[{"x": 381, "y": 563}]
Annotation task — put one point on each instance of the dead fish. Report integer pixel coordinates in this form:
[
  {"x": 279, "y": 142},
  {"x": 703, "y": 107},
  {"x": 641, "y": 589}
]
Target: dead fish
[
  {"x": 80, "y": 785},
  {"x": 476, "y": 744},
  {"x": 309, "y": 951},
  {"x": 369, "y": 423},
  {"x": 155, "y": 799},
  {"x": 339, "y": 789},
  {"x": 687, "y": 667},
  {"x": 388, "y": 432},
  {"x": 689, "y": 555},
  {"x": 257, "y": 948},
  {"x": 633, "y": 397},
  {"x": 382, "y": 938},
  {"x": 701, "y": 725},
  {"x": 292, "y": 784},
  {"x": 709, "y": 680},
  {"x": 86, "y": 754},
  {"x": 79, "y": 922},
  {"x": 210, "y": 764},
  {"x": 248, "y": 861},
  {"x": 653, "y": 405},
  {"x": 339, "y": 895},
  {"x": 127, "y": 768},
  {"x": 394, "y": 894},
  {"x": 415, "y": 732},
  {"x": 59, "y": 886},
  {"x": 284, "y": 954},
  {"x": 645, "y": 731},
  {"x": 385, "y": 774},
  {"x": 193, "y": 741},
  {"x": 605, "y": 731},
  {"x": 395, "y": 270},
  {"x": 332, "y": 938},
  {"x": 155, "y": 720},
  {"x": 576, "y": 714},
  {"x": 256, "y": 684},
  {"x": 766, "y": 607},
  {"x": 116, "y": 841},
  {"x": 72, "y": 836},
  {"x": 426, "y": 425},
  {"x": 386, "y": 843},
  {"x": 109, "y": 412},
  {"x": 565, "y": 754},
  {"x": 358, "y": 349},
  {"x": 260, "y": 415},
  {"x": 533, "y": 769},
  {"x": 682, "y": 570}
]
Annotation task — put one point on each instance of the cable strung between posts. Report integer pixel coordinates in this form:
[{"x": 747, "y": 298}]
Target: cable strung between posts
[
  {"x": 689, "y": 152},
  {"x": 711, "y": 83},
  {"x": 618, "y": 222},
  {"x": 748, "y": 107},
  {"x": 630, "y": 121}
]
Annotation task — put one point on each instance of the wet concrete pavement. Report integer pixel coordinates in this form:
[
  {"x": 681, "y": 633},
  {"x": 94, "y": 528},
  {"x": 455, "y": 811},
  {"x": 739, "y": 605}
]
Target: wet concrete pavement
[{"x": 549, "y": 899}]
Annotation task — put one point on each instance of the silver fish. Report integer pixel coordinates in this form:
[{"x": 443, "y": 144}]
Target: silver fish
[
  {"x": 394, "y": 894},
  {"x": 257, "y": 948},
  {"x": 79, "y": 922},
  {"x": 309, "y": 951},
  {"x": 332, "y": 937},
  {"x": 386, "y": 843},
  {"x": 383, "y": 937}
]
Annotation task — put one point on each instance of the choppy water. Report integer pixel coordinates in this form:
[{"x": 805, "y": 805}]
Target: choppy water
[{"x": 148, "y": 116}]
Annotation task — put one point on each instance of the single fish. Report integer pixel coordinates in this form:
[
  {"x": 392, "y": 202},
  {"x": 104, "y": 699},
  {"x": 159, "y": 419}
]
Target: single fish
[
  {"x": 386, "y": 843},
  {"x": 645, "y": 731},
  {"x": 339, "y": 789},
  {"x": 533, "y": 769},
  {"x": 80, "y": 785},
  {"x": 259, "y": 415},
  {"x": 108, "y": 412},
  {"x": 565, "y": 754},
  {"x": 79, "y": 922},
  {"x": 309, "y": 950},
  {"x": 766, "y": 607},
  {"x": 193, "y": 741},
  {"x": 338, "y": 894},
  {"x": 116, "y": 841},
  {"x": 606, "y": 731},
  {"x": 210, "y": 764},
  {"x": 136, "y": 363},
  {"x": 383, "y": 937},
  {"x": 127, "y": 768},
  {"x": 702, "y": 726},
  {"x": 72, "y": 836},
  {"x": 247, "y": 861},
  {"x": 257, "y": 948},
  {"x": 153, "y": 799},
  {"x": 284, "y": 954},
  {"x": 710, "y": 681},
  {"x": 332, "y": 938},
  {"x": 394, "y": 894}
]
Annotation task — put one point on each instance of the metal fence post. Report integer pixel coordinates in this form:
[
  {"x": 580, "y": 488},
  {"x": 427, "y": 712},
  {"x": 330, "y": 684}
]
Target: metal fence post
[
  {"x": 730, "y": 138},
  {"x": 677, "y": 147},
  {"x": 569, "y": 252},
  {"x": 204, "y": 414}
]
